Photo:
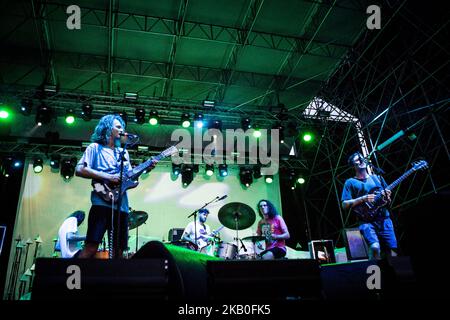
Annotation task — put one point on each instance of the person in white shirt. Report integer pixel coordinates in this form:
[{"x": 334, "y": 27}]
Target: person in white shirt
[
  {"x": 68, "y": 237},
  {"x": 203, "y": 237}
]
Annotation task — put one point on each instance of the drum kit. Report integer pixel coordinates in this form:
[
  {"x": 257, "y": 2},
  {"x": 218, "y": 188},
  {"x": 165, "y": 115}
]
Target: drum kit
[{"x": 236, "y": 216}]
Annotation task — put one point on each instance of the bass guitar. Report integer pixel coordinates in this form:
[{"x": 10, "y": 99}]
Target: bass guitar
[
  {"x": 370, "y": 211},
  {"x": 204, "y": 241},
  {"x": 111, "y": 193}
]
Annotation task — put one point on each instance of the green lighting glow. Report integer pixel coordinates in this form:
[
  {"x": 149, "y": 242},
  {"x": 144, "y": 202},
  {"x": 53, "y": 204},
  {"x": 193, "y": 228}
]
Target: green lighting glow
[
  {"x": 186, "y": 124},
  {"x": 70, "y": 119},
  {"x": 4, "y": 114},
  {"x": 301, "y": 180},
  {"x": 269, "y": 180},
  {"x": 257, "y": 134},
  {"x": 307, "y": 137},
  {"x": 153, "y": 121}
]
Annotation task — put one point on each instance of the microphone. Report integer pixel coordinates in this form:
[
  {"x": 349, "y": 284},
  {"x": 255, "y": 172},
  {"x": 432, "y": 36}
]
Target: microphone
[
  {"x": 221, "y": 198},
  {"x": 129, "y": 135}
]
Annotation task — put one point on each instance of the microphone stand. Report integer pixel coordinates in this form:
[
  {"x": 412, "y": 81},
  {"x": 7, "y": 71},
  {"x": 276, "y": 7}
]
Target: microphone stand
[
  {"x": 115, "y": 237},
  {"x": 194, "y": 214}
]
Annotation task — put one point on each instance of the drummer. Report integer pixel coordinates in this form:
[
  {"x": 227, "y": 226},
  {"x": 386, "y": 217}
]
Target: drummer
[
  {"x": 204, "y": 236},
  {"x": 274, "y": 229}
]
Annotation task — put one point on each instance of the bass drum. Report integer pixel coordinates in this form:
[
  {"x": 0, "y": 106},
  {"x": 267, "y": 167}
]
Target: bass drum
[{"x": 226, "y": 251}]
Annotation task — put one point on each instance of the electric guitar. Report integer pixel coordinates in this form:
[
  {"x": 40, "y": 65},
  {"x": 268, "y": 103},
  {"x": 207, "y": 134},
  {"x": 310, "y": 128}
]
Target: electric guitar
[
  {"x": 370, "y": 211},
  {"x": 111, "y": 193},
  {"x": 202, "y": 242}
]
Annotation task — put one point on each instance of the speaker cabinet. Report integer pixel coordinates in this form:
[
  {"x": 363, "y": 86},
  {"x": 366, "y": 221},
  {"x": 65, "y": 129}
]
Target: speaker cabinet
[
  {"x": 94, "y": 279},
  {"x": 264, "y": 280},
  {"x": 175, "y": 234}
]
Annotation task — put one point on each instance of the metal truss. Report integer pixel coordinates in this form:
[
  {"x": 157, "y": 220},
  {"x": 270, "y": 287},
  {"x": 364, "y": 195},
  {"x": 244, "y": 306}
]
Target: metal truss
[{"x": 379, "y": 93}]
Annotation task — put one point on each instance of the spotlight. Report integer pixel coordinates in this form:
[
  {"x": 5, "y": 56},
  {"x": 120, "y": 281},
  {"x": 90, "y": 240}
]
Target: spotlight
[
  {"x": 38, "y": 165},
  {"x": 223, "y": 170},
  {"x": 70, "y": 116},
  {"x": 301, "y": 180},
  {"x": 187, "y": 174},
  {"x": 209, "y": 103},
  {"x": 257, "y": 133},
  {"x": 209, "y": 170},
  {"x": 55, "y": 160},
  {"x": 246, "y": 123},
  {"x": 185, "y": 120},
  {"x": 198, "y": 120},
  {"x": 308, "y": 137},
  {"x": 68, "y": 168},
  {"x": 4, "y": 113},
  {"x": 130, "y": 96},
  {"x": 139, "y": 114},
  {"x": 269, "y": 179},
  {"x": 154, "y": 118},
  {"x": 245, "y": 176},
  {"x": 26, "y": 105},
  {"x": 86, "y": 111},
  {"x": 215, "y": 124},
  {"x": 44, "y": 115},
  {"x": 124, "y": 116},
  {"x": 176, "y": 169}
]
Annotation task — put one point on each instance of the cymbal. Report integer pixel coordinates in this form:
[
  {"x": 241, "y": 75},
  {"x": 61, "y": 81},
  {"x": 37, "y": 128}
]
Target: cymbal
[
  {"x": 136, "y": 218},
  {"x": 254, "y": 238},
  {"x": 238, "y": 212}
]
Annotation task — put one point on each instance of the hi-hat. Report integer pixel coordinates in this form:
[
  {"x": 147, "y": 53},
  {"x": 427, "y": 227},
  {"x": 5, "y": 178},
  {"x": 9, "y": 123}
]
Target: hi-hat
[
  {"x": 237, "y": 216},
  {"x": 136, "y": 218}
]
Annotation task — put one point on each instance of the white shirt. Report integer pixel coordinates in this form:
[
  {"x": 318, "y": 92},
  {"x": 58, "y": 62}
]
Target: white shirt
[
  {"x": 202, "y": 231},
  {"x": 68, "y": 248}
]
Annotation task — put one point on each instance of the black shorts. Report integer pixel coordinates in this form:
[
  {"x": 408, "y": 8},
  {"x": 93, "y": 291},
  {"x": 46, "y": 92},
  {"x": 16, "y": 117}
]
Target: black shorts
[
  {"x": 278, "y": 253},
  {"x": 100, "y": 220}
]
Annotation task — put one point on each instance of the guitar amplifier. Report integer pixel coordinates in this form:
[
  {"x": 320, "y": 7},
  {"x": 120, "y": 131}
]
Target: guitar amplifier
[
  {"x": 175, "y": 234},
  {"x": 322, "y": 251}
]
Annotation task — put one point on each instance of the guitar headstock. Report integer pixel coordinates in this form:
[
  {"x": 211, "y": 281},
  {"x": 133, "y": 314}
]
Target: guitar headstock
[
  {"x": 420, "y": 165},
  {"x": 169, "y": 151}
]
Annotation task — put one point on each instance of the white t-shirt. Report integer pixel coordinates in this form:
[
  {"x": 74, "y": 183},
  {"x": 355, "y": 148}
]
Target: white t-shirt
[
  {"x": 203, "y": 230},
  {"x": 68, "y": 248}
]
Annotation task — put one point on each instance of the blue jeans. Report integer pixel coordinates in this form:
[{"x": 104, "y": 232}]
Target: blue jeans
[{"x": 380, "y": 231}]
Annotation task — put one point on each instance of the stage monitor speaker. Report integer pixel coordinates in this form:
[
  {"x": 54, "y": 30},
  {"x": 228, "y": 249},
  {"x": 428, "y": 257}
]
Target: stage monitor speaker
[
  {"x": 175, "y": 234},
  {"x": 264, "y": 280},
  {"x": 322, "y": 251},
  {"x": 356, "y": 246},
  {"x": 96, "y": 279}
]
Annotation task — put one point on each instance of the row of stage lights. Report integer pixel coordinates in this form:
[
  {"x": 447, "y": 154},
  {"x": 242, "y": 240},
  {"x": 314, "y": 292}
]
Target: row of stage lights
[
  {"x": 66, "y": 167},
  {"x": 45, "y": 114}
]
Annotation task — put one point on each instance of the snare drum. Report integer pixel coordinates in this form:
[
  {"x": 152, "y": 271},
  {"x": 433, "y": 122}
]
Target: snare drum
[{"x": 226, "y": 251}]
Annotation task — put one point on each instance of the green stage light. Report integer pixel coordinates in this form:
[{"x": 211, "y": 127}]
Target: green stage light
[
  {"x": 38, "y": 165},
  {"x": 301, "y": 180},
  {"x": 269, "y": 179},
  {"x": 257, "y": 133},
  {"x": 70, "y": 117},
  {"x": 4, "y": 114},
  {"x": 307, "y": 137},
  {"x": 154, "y": 119}
]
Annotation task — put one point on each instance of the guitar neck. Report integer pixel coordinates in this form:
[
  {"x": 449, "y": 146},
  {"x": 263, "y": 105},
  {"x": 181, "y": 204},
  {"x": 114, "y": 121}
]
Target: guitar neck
[
  {"x": 399, "y": 180},
  {"x": 137, "y": 171}
]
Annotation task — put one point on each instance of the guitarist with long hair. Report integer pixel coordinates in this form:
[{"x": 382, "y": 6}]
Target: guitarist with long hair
[
  {"x": 101, "y": 162},
  {"x": 356, "y": 195}
]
